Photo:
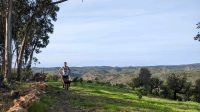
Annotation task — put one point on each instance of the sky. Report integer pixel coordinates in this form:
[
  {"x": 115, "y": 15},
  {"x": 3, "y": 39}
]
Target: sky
[{"x": 124, "y": 33}]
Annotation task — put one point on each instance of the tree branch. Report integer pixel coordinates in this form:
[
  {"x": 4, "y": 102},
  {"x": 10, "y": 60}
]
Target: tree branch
[{"x": 60, "y": 1}]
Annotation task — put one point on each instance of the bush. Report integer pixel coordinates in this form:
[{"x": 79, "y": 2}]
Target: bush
[
  {"x": 197, "y": 91},
  {"x": 81, "y": 80},
  {"x": 51, "y": 77},
  {"x": 176, "y": 83},
  {"x": 75, "y": 79},
  {"x": 155, "y": 86},
  {"x": 26, "y": 75},
  {"x": 135, "y": 83},
  {"x": 89, "y": 81},
  {"x": 140, "y": 92},
  {"x": 187, "y": 91},
  {"x": 143, "y": 80},
  {"x": 121, "y": 85},
  {"x": 165, "y": 91},
  {"x": 144, "y": 77}
]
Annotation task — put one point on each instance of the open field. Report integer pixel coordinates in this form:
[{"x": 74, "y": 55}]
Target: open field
[{"x": 98, "y": 98}]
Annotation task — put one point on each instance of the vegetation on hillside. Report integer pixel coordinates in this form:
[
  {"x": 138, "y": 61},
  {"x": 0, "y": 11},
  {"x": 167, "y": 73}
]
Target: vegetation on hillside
[
  {"x": 176, "y": 86},
  {"x": 125, "y": 74}
]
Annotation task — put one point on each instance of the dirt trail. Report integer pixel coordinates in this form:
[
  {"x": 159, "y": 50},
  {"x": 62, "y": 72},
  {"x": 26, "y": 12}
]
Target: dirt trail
[{"x": 62, "y": 100}]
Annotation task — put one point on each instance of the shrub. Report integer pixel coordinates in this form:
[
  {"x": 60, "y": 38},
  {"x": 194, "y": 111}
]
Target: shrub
[
  {"x": 135, "y": 83},
  {"x": 89, "y": 81},
  {"x": 197, "y": 91},
  {"x": 81, "y": 80},
  {"x": 26, "y": 75},
  {"x": 121, "y": 85},
  {"x": 165, "y": 91},
  {"x": 75, "y": 79},
  {"x": 155, "y": 86},
  {"x": 144, "y": 77},
  {"x": 51, "y": 77},
  {"x": 176, "y": 83},
  {"x": 187, "y": 91},
  {"x": 140, "y": 92}
]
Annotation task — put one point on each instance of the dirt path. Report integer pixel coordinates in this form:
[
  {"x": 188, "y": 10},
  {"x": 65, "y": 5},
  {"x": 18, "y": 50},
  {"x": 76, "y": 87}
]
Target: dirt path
[{"x": 62, "y": 100}]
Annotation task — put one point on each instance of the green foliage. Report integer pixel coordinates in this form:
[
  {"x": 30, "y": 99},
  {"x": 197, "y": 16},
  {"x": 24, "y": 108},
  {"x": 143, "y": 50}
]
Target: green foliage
[
  {"x": 42, "y": 105},
  {"x": 144, "y": 77},
  {"x": 140, "y": 92},
  {"x": 51, "y": 77},
  {"x": 135, "y": 83},
  {"x": 155, "y": 83},
  {"x": 197, "y": 91},
  {"x": 120, "y": 85},
  {"x": 144, "y": 80},
  {"x": 89, "y": 81},
  {"x": 165, "y": 91},
  {"x": 81, "y": 80},
  {"x": 187, "y": 91},
  {"x": 176, "y": 87},
  {"x": 5, "y": 84},
  {"x": 26, "y": 75},
  {"x": 176, "y": 83},
  {"x": 105, "y": 83}
]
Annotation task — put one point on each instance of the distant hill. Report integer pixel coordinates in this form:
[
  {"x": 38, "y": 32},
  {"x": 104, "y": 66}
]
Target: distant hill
[{"x": 125, "y": 74}]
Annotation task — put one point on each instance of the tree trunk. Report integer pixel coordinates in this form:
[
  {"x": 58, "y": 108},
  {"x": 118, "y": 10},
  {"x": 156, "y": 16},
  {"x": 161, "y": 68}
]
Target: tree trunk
[
  {"x": 28, "y": 67},
  {"x": 20, "y": 59},
  {"x": 8, "y": 56},
  {"x": 174, "y": 95}
]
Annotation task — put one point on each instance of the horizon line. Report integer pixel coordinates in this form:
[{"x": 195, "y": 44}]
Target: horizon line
[{"x": 124, "y": 66}]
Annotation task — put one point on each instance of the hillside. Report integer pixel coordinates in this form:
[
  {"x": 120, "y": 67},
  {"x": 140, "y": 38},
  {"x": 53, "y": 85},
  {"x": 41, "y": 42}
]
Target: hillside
[
  {"x": 91, "y": 97},
  {"x": 125, "y": 74}
]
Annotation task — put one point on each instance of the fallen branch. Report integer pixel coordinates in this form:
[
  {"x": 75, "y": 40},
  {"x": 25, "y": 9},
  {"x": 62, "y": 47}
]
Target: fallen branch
[{"x": 24, "y": 102}]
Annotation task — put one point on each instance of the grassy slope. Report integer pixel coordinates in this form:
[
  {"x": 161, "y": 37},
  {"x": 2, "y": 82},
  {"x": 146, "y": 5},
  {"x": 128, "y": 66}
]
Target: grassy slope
[{"x": 93, "y": 97}]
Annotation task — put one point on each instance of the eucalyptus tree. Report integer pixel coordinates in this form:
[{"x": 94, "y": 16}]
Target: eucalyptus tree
[
  {"x": 42, "y": 12},
  {"x": 1, "y": 44},
  {"x": 40, "y": 39},
  {"x": 1, "y": 35},
  {"x": 26, "y": 24},
  {"x": 6, "y": 36}
]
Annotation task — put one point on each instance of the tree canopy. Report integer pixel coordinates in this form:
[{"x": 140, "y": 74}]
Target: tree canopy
[{"x": 30, "y": 25}]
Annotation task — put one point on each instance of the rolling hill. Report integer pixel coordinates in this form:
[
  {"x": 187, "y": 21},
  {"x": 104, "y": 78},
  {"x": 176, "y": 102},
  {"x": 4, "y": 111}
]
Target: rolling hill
[{"x": 125, "y": 74}]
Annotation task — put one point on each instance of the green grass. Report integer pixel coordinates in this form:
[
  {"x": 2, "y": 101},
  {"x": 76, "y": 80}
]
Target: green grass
[
  {"x": 41, "y": 105},
  {"x": 105, "y": 98},
  {"x": 98, "y": 98}
]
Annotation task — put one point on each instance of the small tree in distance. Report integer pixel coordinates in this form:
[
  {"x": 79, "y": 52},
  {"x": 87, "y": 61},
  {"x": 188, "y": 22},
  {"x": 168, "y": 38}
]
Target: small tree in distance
[
  {"x": 144, "y": 78},
  {"x": 176, "y": 83},
  {"x": 155, "y": 85},
  {"x": 140, "y": 92}
]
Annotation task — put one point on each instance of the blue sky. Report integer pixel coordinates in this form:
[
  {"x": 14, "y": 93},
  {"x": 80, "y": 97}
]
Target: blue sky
[{"x": 124, "y": 33}]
